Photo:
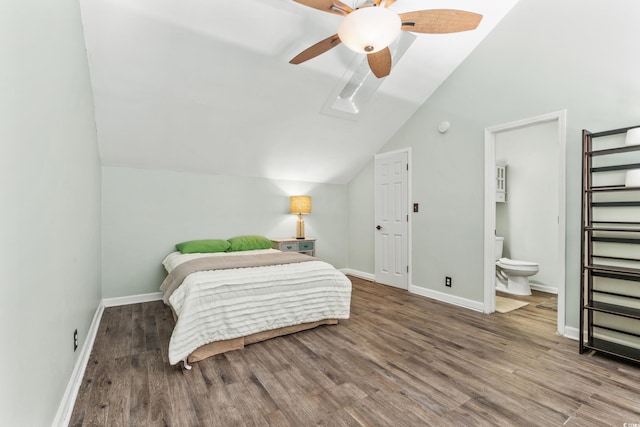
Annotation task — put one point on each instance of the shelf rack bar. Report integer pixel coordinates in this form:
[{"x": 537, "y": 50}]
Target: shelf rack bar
[
  {"x": 616, "y": 167},
  {"x": 617, "y": 150},
  {"x": 616, "y": 204},
  {"x": 611, "y": 188}
]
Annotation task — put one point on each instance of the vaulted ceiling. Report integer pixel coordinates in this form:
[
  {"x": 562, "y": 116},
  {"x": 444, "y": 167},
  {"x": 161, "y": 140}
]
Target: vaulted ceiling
[{"x": 206, "y": 86}]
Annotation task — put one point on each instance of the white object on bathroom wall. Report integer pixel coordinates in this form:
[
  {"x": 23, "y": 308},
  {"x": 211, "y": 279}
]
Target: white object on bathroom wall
[{"x": 501, "y": 182}]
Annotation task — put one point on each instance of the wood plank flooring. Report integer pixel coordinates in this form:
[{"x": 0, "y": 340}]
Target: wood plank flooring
[{"x": 401, "y": 360}]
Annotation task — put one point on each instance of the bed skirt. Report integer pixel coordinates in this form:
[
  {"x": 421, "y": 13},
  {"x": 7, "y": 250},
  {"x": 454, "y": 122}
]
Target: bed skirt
[{"x": 219, "y": 347}]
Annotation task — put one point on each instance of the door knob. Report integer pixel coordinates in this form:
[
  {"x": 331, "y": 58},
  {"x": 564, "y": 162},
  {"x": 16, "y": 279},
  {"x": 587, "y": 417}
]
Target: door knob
[{"x": 378, "y": 227}]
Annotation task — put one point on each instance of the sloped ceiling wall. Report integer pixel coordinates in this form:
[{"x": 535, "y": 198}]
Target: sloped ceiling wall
[{"x": 206, "y": 86}]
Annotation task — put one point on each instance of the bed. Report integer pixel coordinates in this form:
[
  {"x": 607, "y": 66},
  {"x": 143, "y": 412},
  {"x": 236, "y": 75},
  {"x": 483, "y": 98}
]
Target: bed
[{"x": 223, "y": 301}]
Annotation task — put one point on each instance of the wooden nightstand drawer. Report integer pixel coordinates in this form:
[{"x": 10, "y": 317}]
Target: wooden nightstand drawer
[
  {"x": 289, "y": 247},
  {"x": 305, "y": 246}
]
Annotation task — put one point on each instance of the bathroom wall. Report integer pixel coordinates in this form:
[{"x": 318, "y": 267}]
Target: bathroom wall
[{"x": 529, "y": 219}]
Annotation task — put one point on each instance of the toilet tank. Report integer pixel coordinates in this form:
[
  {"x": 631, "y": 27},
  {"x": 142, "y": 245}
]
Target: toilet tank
[{"x": 498, "y": 247}]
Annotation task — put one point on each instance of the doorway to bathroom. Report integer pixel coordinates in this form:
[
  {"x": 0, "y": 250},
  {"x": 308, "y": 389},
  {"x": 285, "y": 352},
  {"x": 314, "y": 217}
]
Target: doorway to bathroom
[{"x": 533, "y": 214}]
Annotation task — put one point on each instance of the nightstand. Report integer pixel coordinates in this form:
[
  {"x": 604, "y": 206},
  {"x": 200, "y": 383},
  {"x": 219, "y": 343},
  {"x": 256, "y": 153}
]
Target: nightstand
[{"x": 305, "y": 246}]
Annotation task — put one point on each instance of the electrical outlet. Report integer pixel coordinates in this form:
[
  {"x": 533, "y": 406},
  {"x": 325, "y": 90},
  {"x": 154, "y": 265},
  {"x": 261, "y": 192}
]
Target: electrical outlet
[
  {"x": 447, "y": 281},
  {"x": 75, "y": 340},
  {"x": 415, "y": 207}
]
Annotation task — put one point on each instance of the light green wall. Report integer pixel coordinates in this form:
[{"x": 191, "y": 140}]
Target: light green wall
[
  {"x": 146, "y": 212},
  {"x": 50, "y": 209},
  {"x": 544, "y": 56}
]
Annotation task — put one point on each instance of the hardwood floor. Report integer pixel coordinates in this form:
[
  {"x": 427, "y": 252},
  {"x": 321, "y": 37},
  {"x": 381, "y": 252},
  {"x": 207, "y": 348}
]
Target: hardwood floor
[{"x": 401, "y": 360}]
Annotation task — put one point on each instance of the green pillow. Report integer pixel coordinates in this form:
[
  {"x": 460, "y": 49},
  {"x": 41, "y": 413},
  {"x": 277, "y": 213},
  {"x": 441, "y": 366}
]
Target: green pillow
[
  {"x": 250, "y": 243},
  {"x": 203, "y": 246}
]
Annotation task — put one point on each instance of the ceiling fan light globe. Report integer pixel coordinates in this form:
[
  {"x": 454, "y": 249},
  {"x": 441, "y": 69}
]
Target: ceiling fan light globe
[{"x": 370, "y": 29}]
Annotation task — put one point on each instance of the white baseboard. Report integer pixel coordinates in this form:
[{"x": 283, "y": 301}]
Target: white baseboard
[
  {"x": 543, "y": 288},
  {"x": 131, "y": 299},
  {"x": 448, "y": 298},
  {"x": 360, "y": 274},
  {"x": 572, "y": 333},
  {"x": 65, "y": 409},
  {"x": 440, "y": 296}
]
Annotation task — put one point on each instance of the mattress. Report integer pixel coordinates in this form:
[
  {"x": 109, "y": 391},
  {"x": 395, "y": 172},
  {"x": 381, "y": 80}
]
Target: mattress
[{"x": 216, "y": 305}]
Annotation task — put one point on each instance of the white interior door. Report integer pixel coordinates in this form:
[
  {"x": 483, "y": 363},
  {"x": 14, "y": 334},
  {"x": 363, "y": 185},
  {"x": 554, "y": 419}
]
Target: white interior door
[{"x": 392, "y": 219}]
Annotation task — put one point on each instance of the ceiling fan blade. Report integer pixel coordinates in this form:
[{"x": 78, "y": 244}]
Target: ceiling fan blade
[
  {"x": 389, "y": 3},
  {"x": 440, "y": 21},
  {"x": 380, "y": 62},
  {"x": 331, "y": 6},
  {"x": 316, "y": 49}
]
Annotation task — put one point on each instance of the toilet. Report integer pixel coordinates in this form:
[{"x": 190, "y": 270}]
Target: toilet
[{"x": 512, "y": 276}]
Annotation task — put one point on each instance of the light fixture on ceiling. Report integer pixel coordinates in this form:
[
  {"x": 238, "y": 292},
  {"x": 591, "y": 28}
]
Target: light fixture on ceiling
[
  {"x": 300, "y": 205},
  {"x": 370, "y": 29},
  {"x": 632, "y": 177}
]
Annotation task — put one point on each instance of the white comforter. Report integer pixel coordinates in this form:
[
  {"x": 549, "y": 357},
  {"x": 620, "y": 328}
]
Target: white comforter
[{"x": 224, "y": 304}]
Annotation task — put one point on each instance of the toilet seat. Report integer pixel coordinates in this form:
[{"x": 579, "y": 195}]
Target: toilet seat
[{"x": 517, "y": 265}]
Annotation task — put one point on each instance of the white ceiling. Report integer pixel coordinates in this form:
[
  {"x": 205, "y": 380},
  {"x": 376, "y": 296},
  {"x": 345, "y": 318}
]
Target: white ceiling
[{"x": 205, "y": 86}]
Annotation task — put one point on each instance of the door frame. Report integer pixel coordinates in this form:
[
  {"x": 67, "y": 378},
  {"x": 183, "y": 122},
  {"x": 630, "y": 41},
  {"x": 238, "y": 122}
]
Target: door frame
[
  {"x": 409, "y": 211},
  {"x": 490, "y": 206}
]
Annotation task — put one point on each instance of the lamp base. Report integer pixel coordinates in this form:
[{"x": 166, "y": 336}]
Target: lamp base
[{"x": 300, "y": 227}]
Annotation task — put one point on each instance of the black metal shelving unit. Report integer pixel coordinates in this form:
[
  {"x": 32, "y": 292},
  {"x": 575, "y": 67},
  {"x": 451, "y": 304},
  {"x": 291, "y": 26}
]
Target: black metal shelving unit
[{"x": 610, "y": 279}]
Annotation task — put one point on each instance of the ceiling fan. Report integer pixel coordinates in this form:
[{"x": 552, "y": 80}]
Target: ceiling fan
[{"x": 371, "y": 27}]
